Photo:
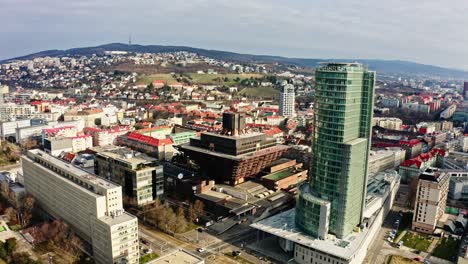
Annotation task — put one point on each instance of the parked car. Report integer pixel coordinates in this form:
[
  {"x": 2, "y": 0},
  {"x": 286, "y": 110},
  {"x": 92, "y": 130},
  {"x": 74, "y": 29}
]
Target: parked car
[
  {"x": 236, "y": 253},
  {"x": 200, "y": 250}
]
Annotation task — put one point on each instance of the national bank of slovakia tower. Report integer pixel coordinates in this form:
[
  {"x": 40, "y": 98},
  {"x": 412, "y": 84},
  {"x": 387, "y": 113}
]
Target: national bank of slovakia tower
[{"x": 333, "y": 199}]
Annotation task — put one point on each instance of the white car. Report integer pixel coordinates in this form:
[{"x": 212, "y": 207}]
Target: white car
[{"x": 200, "y": 250}]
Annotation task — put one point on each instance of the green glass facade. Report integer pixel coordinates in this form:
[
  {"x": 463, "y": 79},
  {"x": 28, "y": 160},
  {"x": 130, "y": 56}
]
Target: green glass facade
[{"x": 343, "y": 116}]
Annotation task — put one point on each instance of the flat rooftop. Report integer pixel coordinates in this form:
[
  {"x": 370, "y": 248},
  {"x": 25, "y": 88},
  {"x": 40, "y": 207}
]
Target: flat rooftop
[
  {"x": 179, "y": 257},
  {"x": 83, "y": 175},
  {"x": 128, "y": 156},
  {"x": 232, "y": 157},
  {"x": 283, "y": 225},
  {"x": 119, "y": 219},
  {"x": 246, "y": 135},
  {"x": 279, "y": 175}
]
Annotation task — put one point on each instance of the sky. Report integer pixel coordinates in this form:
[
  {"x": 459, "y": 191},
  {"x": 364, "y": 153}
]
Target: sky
[{"x": 425, "y": 31}]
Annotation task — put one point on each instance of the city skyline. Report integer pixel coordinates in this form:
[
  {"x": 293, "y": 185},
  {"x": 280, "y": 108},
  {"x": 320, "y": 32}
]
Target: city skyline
[{"x": 334, "y": 30}]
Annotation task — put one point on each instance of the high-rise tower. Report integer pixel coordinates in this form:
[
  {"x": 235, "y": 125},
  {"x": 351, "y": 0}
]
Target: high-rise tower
[
  {"x": 287, "y": 101},
  {"x": 333, "y": 200}
]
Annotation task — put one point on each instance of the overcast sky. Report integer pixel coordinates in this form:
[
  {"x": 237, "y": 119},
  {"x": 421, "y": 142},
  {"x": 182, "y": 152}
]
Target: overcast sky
[{"x": 425, "y": 31}]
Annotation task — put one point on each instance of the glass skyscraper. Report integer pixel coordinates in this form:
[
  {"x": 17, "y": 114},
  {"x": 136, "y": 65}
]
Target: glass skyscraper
[{"x": 333, "y": 200}]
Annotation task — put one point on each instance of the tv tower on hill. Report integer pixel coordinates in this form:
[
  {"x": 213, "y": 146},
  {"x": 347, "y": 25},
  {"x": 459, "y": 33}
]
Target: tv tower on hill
[{"x": 130, "y": 39}]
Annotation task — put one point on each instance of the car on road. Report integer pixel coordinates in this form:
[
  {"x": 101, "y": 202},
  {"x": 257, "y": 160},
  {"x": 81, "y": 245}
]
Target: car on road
[
  {"x": 200, "y": 250},
  {"x": 399, "y": 244},
  {"x": 236, "y": 253},
  {"x": 144, "y": 241}
]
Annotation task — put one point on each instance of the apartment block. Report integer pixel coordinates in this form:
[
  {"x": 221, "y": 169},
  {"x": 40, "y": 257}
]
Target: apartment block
[
  {"x": 431, "y": 198},
  {"x": 92, "y": 206},
  {"x": 139, "y": 175}
]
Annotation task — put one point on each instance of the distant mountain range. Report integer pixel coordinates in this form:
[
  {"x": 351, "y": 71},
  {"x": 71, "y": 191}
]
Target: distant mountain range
[{"x": 384, "y": 66}]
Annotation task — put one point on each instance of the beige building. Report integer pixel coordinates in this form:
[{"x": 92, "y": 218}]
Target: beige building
[
  {"x": 90, "y": 205},
  {"x": 12, "y": 111},
  {"x": 88, "y": 115},
  {"x": 388, "y": 122},
  {"x": 431, "y": 198}
]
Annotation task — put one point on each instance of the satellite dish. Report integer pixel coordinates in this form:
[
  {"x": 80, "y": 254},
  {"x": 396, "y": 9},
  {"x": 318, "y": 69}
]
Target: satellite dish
[{"x": 180, "y": 176}]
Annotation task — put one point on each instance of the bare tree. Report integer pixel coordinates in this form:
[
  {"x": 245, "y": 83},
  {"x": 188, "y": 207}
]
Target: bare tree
[
  {"x": 11, "y": 215},
  {"x": 199, "y": 208},
  {"x": 26, "y": 207}
]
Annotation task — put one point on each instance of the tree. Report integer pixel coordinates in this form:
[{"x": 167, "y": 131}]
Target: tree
[
  {"x": 11, "y": 215},
  {"x": 27, "y": 204},
  {"x": 72, "y": 245},
  {"x": 23, "y": 258},
  {"x": 191, "y": 215},
  {"x": 199, "y": 208}
]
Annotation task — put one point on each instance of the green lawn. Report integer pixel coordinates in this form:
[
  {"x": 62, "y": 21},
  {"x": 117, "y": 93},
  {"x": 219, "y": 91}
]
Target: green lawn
[
  {"x": 268, "y": 92},
  {"x": 148, "y": 257},
  {"x": 147, "y": 79},
  {"x": 15, "y": 228},
  {"x": 417, "y": 241},
  {"x": 447, "y": 248},
  {"x": 195, "y": 78}
]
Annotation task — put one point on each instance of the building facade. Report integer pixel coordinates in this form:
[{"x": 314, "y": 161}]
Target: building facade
[
  {"x": 431, "y": 198},
  {"x": 139, "y": 175},
  {"x": 333, "y": 201},
  {"x": 90, "y": 205},
  {"x": 287, "y": 101}
]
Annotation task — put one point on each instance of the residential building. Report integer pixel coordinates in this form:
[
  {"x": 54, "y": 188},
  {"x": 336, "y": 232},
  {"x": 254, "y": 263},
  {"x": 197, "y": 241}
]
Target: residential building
[
  {"x": 388, "y": 123},
  {"x": 412, "y": 168},
  {"x": 333, "y": 201},
  {"x": 92, "y": 206},
  {"x": 162, "y": 149},
  {"x": 89, "y": 115},
  {"x": 10, "y": 111},
  {"x": 431, "y": 198},
  {"x": 448, "y": 112},
  {"x": 139, "y": 175},
  {"x": 104, "y": 137},
  {"x": 287, "y": 101},
  {"x": 417, "y": 107}
]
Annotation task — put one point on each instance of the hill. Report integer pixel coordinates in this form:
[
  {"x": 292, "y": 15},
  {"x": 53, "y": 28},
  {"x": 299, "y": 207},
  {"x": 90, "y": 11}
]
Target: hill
[{"x": 384, "y": 66}]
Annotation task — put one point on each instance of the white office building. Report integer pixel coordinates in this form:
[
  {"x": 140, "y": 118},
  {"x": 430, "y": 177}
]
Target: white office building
[
  {"x": 286, "y": 101},
  {"x": 90, "y": 205}
]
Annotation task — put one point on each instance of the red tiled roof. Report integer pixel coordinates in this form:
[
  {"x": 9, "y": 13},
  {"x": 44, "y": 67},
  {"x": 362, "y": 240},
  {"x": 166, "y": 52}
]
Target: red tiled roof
[
  {"x": 423, "y": 158},
  {"x": 149, "y": 140}
]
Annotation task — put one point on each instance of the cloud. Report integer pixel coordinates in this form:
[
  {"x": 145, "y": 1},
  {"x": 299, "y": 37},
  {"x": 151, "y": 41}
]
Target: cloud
[{"x": 427, "y": 31}]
